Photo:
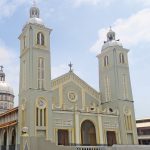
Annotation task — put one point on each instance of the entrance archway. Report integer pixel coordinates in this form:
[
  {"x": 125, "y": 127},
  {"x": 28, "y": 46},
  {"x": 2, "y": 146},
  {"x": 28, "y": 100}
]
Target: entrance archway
[
  {"x": 13, "y": 140},
  {"x": 5, "y": 140},
  {"x": 88, "y": 134}
]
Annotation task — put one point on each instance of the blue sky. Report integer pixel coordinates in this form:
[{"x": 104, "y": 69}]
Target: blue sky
[{"x": 79, "y": 29}]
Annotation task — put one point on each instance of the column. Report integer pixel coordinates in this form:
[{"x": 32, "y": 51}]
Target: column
[
  {"x": 100, "y": 127},
  {"x": 8, "y": 140}
]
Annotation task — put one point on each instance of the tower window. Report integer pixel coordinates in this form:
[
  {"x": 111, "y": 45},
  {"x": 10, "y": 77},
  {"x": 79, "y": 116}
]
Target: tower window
[
  {"x": 128, "y": 122},
  {"x": 106, "y": 62},
  {"x": 121, "y": 58},
  {"x": 40, "y": 117},
  {"x": 24, "y": 75},
  {"x": 24, "y": 42},
  {"x": 40, "y": 38},
  {"x": 125, "y": 86},
  {"x": 41, "y": 73},
  {"x": 107, "y": 89}
]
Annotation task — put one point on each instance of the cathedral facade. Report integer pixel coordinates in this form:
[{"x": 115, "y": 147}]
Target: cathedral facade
[{"x": 66, "y": 110}]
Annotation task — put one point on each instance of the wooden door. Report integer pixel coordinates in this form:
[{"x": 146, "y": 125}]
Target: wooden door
[
  {"x": 111, "y": 138},
  {"x": 92, "y": 136},
  {"x": 88, "y": 134},
  {"x": 63, "y": 137}
]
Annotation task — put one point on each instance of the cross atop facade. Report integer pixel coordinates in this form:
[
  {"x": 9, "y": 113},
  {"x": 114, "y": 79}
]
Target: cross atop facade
[
  {"x": 1, "y": 67},
  {"x": 110, "y": 27},
  {"x": 70, "y": 66}
]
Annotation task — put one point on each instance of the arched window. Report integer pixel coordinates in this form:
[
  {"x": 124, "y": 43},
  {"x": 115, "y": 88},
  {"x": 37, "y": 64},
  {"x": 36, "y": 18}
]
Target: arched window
[
  {"x": 107, "y": 89},
  {"x": 41, "y": 112},
  {"x": 24, "y": 75},
  {"x": 128, "y": 122},
  {"x": 106, "y": 62},
  {"x": 125, "y": 86},
  {"x": 40, "y": 38},
  {"x": 121, "y": 58}
]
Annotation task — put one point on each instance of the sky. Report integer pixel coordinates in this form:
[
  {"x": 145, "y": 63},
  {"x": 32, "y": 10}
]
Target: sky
[{"x": 79, "y": 29}]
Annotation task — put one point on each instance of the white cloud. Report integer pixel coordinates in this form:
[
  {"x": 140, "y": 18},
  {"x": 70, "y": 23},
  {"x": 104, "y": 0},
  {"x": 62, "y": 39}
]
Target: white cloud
[
  {"x": 6, "y": 53},
  {"x": 143, "y": 2},
  {"x": 108, "y": 2},
  {"x": 59, "y": 70},
  {"x": 131, "y": 31},
  {"x": 8, "y": 7},
  {"x": 92, "y": 2}
]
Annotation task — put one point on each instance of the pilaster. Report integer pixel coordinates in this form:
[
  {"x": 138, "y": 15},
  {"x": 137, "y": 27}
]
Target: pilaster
[{"x": 77, "y": 128}]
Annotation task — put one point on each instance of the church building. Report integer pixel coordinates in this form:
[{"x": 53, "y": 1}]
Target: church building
[{"x": 66, "y": 110}]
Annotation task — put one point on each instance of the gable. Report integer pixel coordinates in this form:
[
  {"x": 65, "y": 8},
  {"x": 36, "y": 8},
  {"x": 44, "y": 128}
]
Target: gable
[
  {"x": 70, "y": 91},
  {"x": 73, "y": 77}
]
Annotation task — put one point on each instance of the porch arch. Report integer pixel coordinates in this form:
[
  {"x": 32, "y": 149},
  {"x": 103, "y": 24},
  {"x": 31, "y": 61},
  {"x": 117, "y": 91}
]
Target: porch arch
[
  {"x": 4, "y": 143},
  {"x": 88, "y": 133},
  {"x": 13, "y": 137}
]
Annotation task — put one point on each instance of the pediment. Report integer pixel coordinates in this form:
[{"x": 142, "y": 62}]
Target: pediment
[{"x": 72, "y": 77}]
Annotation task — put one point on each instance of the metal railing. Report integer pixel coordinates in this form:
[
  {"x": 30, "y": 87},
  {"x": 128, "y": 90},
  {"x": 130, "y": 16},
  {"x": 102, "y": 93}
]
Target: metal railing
[
  {"x": 91, "y": 148},
  {"x": 72, "y": 147}
]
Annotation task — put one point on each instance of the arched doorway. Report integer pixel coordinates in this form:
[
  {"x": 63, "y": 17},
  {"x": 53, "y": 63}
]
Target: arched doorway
[
  {"x": 5, "y": 140},
  {"x": 88, "y": 134},
  {"x": 13, "y": 138}
]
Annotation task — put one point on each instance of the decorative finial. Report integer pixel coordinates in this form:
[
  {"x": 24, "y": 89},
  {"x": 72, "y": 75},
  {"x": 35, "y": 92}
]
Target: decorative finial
[
  {"x": 1, "y": 68},
  {"x": 2, "y": 75},
  {"x": 70, "y": 66},
  {"x": 34, "y": 11},
  {"x": 34, "y": 2},
  {"x": 110, "y": 35}
]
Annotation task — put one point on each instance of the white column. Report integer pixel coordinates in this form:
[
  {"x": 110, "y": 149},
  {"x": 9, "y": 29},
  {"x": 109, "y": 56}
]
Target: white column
[
  {"x": 8, "y": 140},
  {"x": 100, "y": 127},
  {"x": 77, "y": 128}
]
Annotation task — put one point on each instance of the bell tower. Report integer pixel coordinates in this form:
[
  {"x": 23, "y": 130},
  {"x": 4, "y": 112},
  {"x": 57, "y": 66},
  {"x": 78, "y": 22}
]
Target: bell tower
[
  {"x": 115, "y": 86},
  {"x": 35, "y": 112}
]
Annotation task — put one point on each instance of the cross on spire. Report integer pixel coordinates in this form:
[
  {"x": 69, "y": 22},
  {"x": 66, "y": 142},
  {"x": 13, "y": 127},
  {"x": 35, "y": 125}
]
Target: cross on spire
[
  {"x": 1, "y": 67},
  {"x": 70, "y": 66}
]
